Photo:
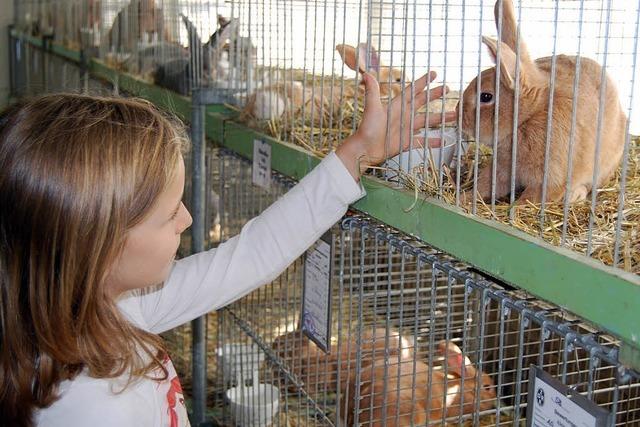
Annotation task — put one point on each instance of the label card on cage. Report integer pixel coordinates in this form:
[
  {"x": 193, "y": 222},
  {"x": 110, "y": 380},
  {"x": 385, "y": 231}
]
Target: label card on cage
[
  {"x": 261, "y": 164},
  {"x": 316, "y": 297},
  {"x": 553, "y": 404}
]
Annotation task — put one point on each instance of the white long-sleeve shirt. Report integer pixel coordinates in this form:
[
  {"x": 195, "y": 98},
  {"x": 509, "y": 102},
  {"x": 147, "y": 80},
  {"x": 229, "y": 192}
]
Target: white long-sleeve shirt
[{"x": 201, "y": 283}]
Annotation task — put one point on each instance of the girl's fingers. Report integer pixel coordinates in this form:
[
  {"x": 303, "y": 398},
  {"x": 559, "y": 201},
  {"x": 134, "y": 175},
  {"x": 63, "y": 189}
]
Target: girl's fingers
[
  {"x": 372, "y": 92},
  {"x": 435, "y": 119},
  {"x": 450, "y": 116},
  {"x": 420, "y": 121},
  {"x": 433, "y": 94},
  {"x": 439, "y": 92},
  {"x": 420, "y": 84},
  {"x": 418, "y": 142}
]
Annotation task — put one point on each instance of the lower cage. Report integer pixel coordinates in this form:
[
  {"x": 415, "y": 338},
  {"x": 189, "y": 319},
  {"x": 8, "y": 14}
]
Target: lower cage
[{"x": 417, "y": 338}]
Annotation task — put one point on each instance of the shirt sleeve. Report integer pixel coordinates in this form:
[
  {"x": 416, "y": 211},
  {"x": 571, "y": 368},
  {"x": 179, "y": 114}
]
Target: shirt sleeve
[{"x": 264, "y": 248}]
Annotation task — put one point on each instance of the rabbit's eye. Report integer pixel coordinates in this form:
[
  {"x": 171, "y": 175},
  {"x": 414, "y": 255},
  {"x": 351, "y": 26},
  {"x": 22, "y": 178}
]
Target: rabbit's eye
[
  {"x": 398, "y": 80},
  {"x": 486, "y": 97}
]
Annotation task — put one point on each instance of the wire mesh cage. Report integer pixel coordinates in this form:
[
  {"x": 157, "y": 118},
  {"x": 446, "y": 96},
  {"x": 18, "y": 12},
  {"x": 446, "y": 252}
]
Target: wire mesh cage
[
  {"x": 565, "y": 163},
  {"x": 417, "y": 338},
  {"x": 579, "y": 44},
  {"x": 36, "y": 71}
]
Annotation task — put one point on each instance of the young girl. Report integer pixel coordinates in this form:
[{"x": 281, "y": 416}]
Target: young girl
[{"x": 90, "y": 221}]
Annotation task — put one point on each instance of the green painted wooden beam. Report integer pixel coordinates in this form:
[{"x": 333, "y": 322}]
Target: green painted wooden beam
[
  {"x": 605, "y": 296},
  {"x": 286, "y": 158},
  {"x": 179, "y": 105},
  {"x": 608, "y": 297}
]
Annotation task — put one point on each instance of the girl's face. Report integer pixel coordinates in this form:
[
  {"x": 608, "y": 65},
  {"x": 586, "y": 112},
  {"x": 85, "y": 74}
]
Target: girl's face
[{"x": 151, "y": 245}]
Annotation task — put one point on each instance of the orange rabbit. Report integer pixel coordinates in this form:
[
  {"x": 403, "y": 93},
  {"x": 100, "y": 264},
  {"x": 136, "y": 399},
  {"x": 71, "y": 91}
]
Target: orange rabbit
[
  {"x": 276, "y": 100},
  {"x": 534, "y": 90},
  {"x": 410, "y": 394},
  {"x": 317, "y": 370}
]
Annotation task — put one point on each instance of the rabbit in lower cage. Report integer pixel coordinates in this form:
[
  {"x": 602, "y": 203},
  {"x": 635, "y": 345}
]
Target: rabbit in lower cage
[
  {"x": 401, "y": 391},
  {"x": 319, "y": 371},
  {"x": 274, "y": 101},
  {"x": 534, "y": 90}
]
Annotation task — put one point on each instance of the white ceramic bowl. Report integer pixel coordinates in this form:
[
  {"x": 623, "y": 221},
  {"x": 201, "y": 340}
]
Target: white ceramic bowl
[
  {"x": 409, "y": 160},
  {"x": 254, "y": 406},
  {"x": 239, "y": 359}
]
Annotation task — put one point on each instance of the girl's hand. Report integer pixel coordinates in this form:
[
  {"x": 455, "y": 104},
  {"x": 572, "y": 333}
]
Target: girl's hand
[{"x": 366, "y": 147}]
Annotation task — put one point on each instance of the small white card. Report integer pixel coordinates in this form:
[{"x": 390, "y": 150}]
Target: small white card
[
  {"x": 316, "y": 302},
  {"x": 261, "y": 164},
  {"x": 553, "y": 404}
]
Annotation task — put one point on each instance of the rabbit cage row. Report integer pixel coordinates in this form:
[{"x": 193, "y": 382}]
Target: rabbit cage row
[
  {"x": 397, "y": 304},
  {"x": 288, "y": 68},
  {"x": 404, "y": 317}
]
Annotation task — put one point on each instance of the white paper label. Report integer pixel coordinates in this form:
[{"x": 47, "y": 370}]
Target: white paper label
[
  {"x": 261, "y": 164},
  {"x": 316, "y": 314},
  {"x": 553, "y": 404}
]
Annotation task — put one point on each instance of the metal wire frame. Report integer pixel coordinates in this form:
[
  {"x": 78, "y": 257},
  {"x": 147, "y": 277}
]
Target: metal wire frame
[
  {"x": 37, "y": 66},
  {"x": 413, "y": 34},
  {"x": 433, "y": 34},
  {"x": 389, "y": 281},
  {"x": 35, "y": 71}
]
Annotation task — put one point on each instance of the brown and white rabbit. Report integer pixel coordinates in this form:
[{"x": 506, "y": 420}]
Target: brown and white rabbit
[
  {"x": 276, "y": 100},
  {"x": 410, "y": 394},
  {"x": 317, "y": 370},
  {"x": 534, "y": 90}
]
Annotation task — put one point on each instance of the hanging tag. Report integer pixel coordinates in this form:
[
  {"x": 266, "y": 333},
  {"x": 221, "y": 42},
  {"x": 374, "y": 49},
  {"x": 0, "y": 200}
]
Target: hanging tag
[
  {"x": 553, "y": 404},
  {"x": 261, "y": 164},
  {"x": 316, "y": 298}
]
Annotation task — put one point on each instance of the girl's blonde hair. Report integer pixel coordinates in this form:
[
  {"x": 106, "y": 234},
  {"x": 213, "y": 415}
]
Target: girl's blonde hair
[{"x": 76, "y": 172}]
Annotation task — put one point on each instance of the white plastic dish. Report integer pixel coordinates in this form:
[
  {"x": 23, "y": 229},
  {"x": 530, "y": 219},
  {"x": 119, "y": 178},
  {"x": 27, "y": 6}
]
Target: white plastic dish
[
  {"x": 239, "y": 359},
  {"x": 409, "y": 160},
  {"x": 254, "y": 406}
]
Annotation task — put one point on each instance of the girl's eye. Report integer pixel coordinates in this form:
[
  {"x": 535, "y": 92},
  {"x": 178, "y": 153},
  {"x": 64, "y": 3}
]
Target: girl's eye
[{"x": 486, "y": 97}]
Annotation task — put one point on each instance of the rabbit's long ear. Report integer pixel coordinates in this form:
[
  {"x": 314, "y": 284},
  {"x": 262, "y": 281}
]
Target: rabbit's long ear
[
  {"x": 457, "y": 363},
  {"x": 220, "y": 36},
  {"x": 222, "y": 21},
  {"x": 192, "y": 31},
  {"x": 509, "y": 33},
  {"x": 348, "y": 55},
  {"x": 507, "y": 61},
  {"x": 374, "y": 59},
  {"x": 213, "y": 47}
]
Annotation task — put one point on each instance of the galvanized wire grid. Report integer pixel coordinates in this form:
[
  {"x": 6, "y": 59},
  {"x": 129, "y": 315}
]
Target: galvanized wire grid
[
  {"x": 385, "y": 287},
  {"x": 35, "y": 71},
  {"x": 389, "y": 283},
  {"x": 277, "y": 60}
]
